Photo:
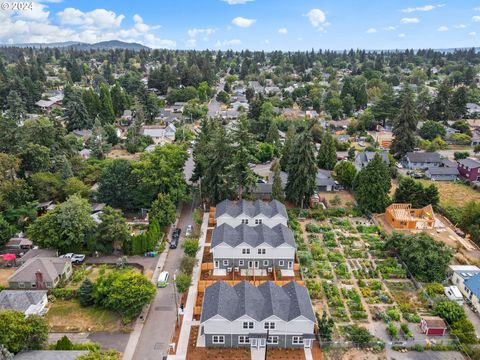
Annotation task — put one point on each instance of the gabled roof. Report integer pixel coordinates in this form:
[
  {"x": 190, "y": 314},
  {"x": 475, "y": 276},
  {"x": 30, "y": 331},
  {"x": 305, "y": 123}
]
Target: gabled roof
[
  {"x": 436, "y": 170},
  {"x": 364, "y": 157},
  {"x": 51, "y": 268},
  {"x": 50, "y": 355},
  {"x": 470, "y": 163},
  {"x": 252, "y": 235},
  {"x": 252, "y": 209},
  {"x": 324, "y": 178},
  {"x": 423, "y": 157},
  {"x": 20, "y": 300},
  {"x": 287, "y": 302}
]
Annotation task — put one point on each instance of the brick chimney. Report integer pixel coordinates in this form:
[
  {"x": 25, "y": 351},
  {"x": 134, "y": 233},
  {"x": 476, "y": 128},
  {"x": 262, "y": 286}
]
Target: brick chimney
[{"x": 39, "y": 280}]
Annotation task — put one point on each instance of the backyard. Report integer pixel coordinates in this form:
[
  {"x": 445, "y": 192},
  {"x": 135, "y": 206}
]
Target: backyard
[
  {"x": 5, "y": 273},
  {"x": 454, "y": 193}
]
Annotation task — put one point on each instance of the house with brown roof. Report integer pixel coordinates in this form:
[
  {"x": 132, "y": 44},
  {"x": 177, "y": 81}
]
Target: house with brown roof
[{"x": 41, "y": 273}]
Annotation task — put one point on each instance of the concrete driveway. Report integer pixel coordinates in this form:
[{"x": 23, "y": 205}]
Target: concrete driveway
[{"x": 160, "y": 322}]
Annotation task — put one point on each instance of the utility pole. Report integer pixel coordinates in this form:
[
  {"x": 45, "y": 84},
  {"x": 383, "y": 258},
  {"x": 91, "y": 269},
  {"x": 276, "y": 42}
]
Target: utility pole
[{"x": 175, "y": 296}]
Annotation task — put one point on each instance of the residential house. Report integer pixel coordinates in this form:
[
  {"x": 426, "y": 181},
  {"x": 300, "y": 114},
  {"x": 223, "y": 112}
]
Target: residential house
[
  {"x": 403, "y": 216},
  {"x": 421, "y": 160},
  {"x": 433, "y": 325},
  {"x": 36, "y": 253},
  {"x": 257, "y": 88},
  {"x": 18, "y": 244},
  {"x": 467, "y": 279},
  {"x": 41, "y": 273},
  {"x": 469, "y": 169},
  {"x": 159, "y": 133},
  {"x": 126, "y": 118},
  {"x": 178, "y": 107},
  {"x": 363, "y": 158},
  {"x": 473, "y": 109},
  {"x": 324, "y": 181},
  {"x": 247, "y": 316},
  {"x": 253, "y": 247},
  {"x": 55, "y": 100},
  {"x": 443, "y": 173},
  {"x": 251, "y": 213},
  {"x": 29, "y": 302}
]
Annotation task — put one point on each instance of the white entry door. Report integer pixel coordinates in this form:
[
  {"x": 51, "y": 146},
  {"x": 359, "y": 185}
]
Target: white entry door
[
  {"x": 262, "y": 342},
  {"x": 307, "y": 343},
  {"x": 216, "y": 264},
  {"x": 253, "y": 343},
  {"x": 290, "y": 264}
]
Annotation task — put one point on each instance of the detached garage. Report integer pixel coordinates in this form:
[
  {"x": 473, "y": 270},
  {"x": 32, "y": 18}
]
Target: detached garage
[{"x": 433, "y": 326}]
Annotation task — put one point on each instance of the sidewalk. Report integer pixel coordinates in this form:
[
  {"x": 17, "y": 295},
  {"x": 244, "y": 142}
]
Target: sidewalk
[
  {"x": 182, "y": 345},
  {"x": 139, "y": 322}
]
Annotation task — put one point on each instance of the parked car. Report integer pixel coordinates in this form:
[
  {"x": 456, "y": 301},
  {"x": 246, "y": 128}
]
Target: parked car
[
  {"x": 174, "y": 242},
  {"x": 189, "y": 230},
  {"x": 76, "y": 258},
  {"x": 163, "y": 279}
]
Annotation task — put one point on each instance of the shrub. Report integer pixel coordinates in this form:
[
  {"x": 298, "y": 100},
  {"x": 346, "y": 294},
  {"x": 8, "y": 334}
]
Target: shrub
[
  {"x": 450, "y": 311},
  {"x": 392, "y": 330},
  {"x": 417, "y": 347},
  {"x": 183, "y": 282},
  {"x": 393, "y": 314},
  {"x": 434, "y": 289},
  {"x": 187, "y": 264},
  {"x": 84, "y": 293},
  {"x": 190, "y": 247},
  {"x": 63, "y": 293},
  {"x": 305, "y": 258}
]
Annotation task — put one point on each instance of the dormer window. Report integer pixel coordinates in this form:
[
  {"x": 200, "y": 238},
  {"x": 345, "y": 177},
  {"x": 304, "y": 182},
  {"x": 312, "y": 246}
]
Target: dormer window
[
  {"x": 258, "y": 221},
  {"x": 246, "y": 251},
  {"x": 245, "y": 221},
  {"x": 261, "y": 251}
]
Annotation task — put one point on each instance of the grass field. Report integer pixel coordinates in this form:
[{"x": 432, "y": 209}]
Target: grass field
[
  {"x": 66, "y": 315},
  {"x": 454, "y": 193},
  {"x": 5, "y": 274}
]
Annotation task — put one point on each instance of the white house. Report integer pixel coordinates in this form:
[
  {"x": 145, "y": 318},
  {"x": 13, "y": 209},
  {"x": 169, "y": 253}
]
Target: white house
[
  {"x": 251, "y": 213},
  {"x": 253, "y": 247},
  {"x": 160, "y": 134},
  {"x": 29, "y": 302},
  {"x": 247, "y": 316},
  {"x": 467, "y": 279},
  {"x": 422, "y": 160}
]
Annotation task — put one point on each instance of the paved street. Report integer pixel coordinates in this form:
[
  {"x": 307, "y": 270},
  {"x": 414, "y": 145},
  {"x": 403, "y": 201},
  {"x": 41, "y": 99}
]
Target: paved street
[
  {"x": 159, "y": 324},
  {"x": 214, "y": 105}
]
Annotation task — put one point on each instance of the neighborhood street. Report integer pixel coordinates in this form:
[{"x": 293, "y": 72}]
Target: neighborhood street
[
  {"x": 159, "y": 324},
  {"x": 214, "y": 105}
]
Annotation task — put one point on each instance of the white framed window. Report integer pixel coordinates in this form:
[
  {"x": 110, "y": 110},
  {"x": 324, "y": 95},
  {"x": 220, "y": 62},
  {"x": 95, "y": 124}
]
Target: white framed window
[
  {"x": 261, "y": 251},
  {"x": 269, "y": 325},
  {"x": 218, "y": 339},
  {"x": 281, "y": 262},
  {"x": 216, "y": 264},
  {"x": 242, "y": 339},
  {"x": 21, "y": 285},
  {"x": 240, "y": 262},
  {"x": 265, "y": 262},
  {"x": 297, "y": 340},
  {"x": 272, "y": 340},
  {"x": 225, "y": 262},
  {"x": 248, "y": 324},
  {"x": 244, "y": 221},
  {"x": 245, "y": 251},
  {"x": 258, "y": 221}
]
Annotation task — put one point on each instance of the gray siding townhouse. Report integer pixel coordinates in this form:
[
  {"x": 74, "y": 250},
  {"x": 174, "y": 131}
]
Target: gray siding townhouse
[
  {"x": 251, "y": 213},
  {"x": 41, "y": 273},
  {"x": 247, "y": 316},
  {"x": 442, "y": 173},
  {"x": 421, "y": 160},
  {"x": 253, "y": 247}
]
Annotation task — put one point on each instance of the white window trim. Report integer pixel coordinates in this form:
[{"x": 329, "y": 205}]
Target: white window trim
[
  {"x": 297, "y": 340},
  {"x": 220, "y": 339},
  {"x": 225, "y": 262},
  {"x": 241, "y": 262},
  {"x": 266, "y": 263},
  {"x": 248, "y": 325},
  {"x": 271, "y": 338},
  {"x": 281, "y": 262},
  {"x": 261, "y": 251},
  {"x": 244, "y": 339}
]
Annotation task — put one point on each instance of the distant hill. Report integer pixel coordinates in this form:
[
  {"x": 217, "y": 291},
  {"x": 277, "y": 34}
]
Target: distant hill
[{"x": 104, "y": 45}]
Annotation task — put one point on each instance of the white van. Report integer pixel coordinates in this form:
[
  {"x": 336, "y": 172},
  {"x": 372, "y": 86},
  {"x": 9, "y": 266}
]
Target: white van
[{"x": 163, "y": 279}]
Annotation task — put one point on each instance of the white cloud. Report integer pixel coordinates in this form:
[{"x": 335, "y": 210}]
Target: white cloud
[
  {"x": 237, "y": 2},
  {"x": 422, "y": 8},
  {"x": 228, "y": 43},
  {"x": 410, "y": 21},
  {"x": 476, "y": 18},
  {"x": 75, "y": 25},
  {"x": 460, "y": 26},
  {"x": 476, "y": 9},
  {"x": 371, "y": 31},
  {"x": 243, "y": 22},
  {"x": 98, "y": 18},
  {"x": 317, "y": 17},
  {"x": 202, "y": 32},
  {"x": 389, "y": 28},
  {"x": 283, "y": 31},
  {"x": 473, "y": 33},
  {"x": 402, "y": 35},
  {"x": 267, "y": 41},
  {"x": 442, "y": 28}
]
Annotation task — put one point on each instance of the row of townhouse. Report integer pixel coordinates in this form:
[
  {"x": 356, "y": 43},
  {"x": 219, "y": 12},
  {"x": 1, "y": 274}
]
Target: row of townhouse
[{"x": 253, "y": 237}]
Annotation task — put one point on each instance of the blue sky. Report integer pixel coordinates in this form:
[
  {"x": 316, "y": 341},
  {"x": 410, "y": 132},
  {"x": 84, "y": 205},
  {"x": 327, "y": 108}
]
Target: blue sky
[{"x": 252, "y": 24}]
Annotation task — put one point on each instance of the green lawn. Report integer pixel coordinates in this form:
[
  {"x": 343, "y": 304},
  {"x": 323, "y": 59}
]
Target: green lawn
[{"x": 68, "y": 315}]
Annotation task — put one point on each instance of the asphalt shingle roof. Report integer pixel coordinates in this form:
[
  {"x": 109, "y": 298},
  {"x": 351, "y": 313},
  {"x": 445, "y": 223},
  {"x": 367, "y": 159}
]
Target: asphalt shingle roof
[
  {"x": 252, "y": 209},
  {"x": 50, "y": 355},
  {"x": 51, "y": 268},
  {"x": 287, "y": 302},
  {"x": 252, "y": 235},
  {"x": 20, "y": 300},
  {"x": 423, "y": 157},
  {"x": 470, "y": 163},
  {"x": 435, "y": 170}
]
